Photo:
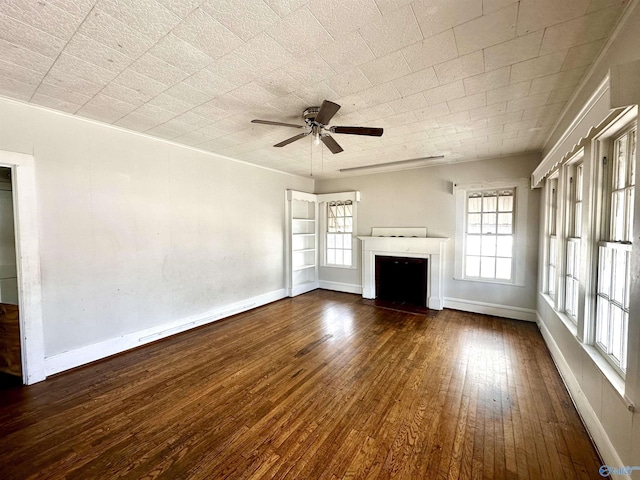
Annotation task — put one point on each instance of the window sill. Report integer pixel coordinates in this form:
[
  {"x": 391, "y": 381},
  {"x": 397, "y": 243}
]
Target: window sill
[
  {"x": 341, "y": 267},
  {"x": 492, "y": 282},
  {"x": 572, "y": 327}
]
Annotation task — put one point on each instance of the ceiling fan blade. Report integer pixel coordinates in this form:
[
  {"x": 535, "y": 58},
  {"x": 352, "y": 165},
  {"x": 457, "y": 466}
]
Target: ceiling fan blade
[
  {"x": 327, "y": 111},
  {"x": 269, "y": 122},
  {"x": 331, "y": 144},
  {"x": 291, "y": 140},
  {"x": 373, "y": 132}
]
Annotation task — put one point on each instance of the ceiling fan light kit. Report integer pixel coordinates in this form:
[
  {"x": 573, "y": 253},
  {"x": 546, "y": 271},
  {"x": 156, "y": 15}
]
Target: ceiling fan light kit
[{"x": 317, "y": 120}]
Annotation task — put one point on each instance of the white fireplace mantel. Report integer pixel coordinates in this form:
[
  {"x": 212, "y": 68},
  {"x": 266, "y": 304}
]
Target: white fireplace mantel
[{"x": 430, "y": 248}]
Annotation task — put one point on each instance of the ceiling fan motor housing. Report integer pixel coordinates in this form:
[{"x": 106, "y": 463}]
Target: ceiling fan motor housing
[{"x": 309, "y": 115}]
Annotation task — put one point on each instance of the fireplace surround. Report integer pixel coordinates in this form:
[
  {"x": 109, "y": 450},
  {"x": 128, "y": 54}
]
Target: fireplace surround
[{"x": 410, "y": 243}]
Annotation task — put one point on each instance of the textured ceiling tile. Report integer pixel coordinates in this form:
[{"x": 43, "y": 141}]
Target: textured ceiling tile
[
  {"x": 105, "y": 109},
  {"x": 526, "y": 103},
  {"x": 68, "y": 80},
  {"x": 139, "y": 121},
  {"x": 278, "y": 82},
  {"x": 559, "y": 80},
  {"x": 435, "y": 16},
  {"x": 210, "y": 111},
  {"x": 351, "y": 103},
  {"x": 514, "y": 51},
  {"x": 22, "y": 74},
  {"x": 561, "y": 95},
  {"x": 467, "y": 103},
  {"x": 233, "y": 69},
  {"x": 73, "y": 66},
  {"x": 29, "y": 37},
  {"x": 487, "y": 81},
  {"x": 253, "y": 94},
  {"x": 489, "y": 6},
  {"x": 539, "y": 14},
  {"x": 382, "y": 93},
  {"x": 312, "y": 67},
  {"x": 433, "y": 50},
  {"x": 438, "y": 111},
  {"x": 180, "y": 54},
  {"x": 89, "y": 50},
  {"x": 454, "y": 119},
  {"x": 459, "y": 68},
  {"x": 146, "y": 87},
  {"x": 300, "y": 33},
  {"x": 416, "y": 82},
  {"x": 158, "y": 69},
  {"x": 386, "y": 68},
  {"x": 16, "y": 89},
  {"x": 578, "y": 31},
  {"x": 518, "y": 125},
  {"x": 595, "y": 5},
  {"x": 488, "y": 30},
  {"x": 391, "y": 32},
  {"x": 389, "y": 6},
  {"x": 506, "y": 119},
  {"x": 348, "y": 82},
  {"x": 228, "y": 103},
  {"x": 189, "y": 95},
  {"x": 488, "y": 111},
  {"x": 264, "y": 54},
  {"x": 116, "y": 35},
  {"x": 55, "y": 103},
  {"x": 346, "y": 52},
  {"x": 582, "y": 55},
  {"x": 246, "y": 18},
  {"x": 509, "y": 92},
  {"x": 169, "y": 103},
  {"x": 43, "y": 16},
  {"x": 340, "y": 18},
  {"x": 63, "y": 94},
  {"x": 181, "y": 8},
  {"x": 377, "y": 112},
  {"x": 207, "y": 34},
  {"x": 193, "y": 138},
  {"x": 406, "y": 104},
  {"x": 548, "y": 111},
  {"x": 145, "y": 16},
  {"x": 207, "y": 81},
  {"x": 18, "y": 55},
  {"x": 537, "y": 67},
  {"x": 445, "y": 93},
  {"x": 285, "y": 7},
  {"x": 125, "y": 94}
]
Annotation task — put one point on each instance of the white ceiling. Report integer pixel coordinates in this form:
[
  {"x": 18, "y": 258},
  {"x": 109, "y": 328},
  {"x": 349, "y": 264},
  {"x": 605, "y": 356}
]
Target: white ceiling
[{"x": 467, "y": 79}]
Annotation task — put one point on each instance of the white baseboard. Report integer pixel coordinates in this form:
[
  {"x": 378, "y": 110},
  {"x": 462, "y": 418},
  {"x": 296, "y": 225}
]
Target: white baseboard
[
  {"x": 506, "y": 311},
  {"x": 341, "y": 287},
  {"x": 589, "y": 417},
  {"x": 91, "y": 353}
]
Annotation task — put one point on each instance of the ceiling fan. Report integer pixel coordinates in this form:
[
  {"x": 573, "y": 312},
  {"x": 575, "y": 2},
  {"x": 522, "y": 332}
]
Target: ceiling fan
[{"x": 317, "y": 120}]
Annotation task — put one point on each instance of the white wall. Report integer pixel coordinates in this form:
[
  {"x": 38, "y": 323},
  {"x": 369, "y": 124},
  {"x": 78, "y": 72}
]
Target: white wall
[
  {"x": 424, "y": 198},
  {"x": 138, "y": 233}
]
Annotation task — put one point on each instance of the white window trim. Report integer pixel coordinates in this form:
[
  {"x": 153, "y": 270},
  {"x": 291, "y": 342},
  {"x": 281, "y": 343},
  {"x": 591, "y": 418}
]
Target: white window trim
[
  {"x": 323, "y": 199},
  {"x": 521, "y": 186}
]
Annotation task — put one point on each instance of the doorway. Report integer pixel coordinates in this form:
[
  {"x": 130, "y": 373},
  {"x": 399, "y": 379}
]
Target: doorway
[{"x": 10, "y": 345}]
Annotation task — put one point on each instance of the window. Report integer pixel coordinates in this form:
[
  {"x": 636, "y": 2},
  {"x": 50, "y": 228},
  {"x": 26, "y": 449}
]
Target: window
[
  {"x": 491, "y": 231},
  {"x": 339, "y": 234},
  {"x": 614, "y": 251},
  {"x": 552, "y": 239},
  {"x": 489, "y": 234},
  {"x": 574, "y": 233}
]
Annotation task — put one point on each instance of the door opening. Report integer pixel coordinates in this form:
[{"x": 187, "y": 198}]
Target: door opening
[{"x": 10, "y": 344}]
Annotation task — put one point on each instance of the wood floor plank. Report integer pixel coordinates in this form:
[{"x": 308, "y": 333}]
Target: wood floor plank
[{"x": 321, "y": 386}]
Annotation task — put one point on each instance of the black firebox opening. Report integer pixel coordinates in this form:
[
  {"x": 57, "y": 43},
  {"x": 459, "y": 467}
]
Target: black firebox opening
[{"x": 402, "y": 280}]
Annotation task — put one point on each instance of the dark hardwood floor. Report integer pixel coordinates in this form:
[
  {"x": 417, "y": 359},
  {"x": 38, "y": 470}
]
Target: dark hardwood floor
[{"x": 320, "y": 386}]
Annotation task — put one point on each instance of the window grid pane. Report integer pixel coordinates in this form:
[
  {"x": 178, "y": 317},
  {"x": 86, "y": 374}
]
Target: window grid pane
[
  {"x": 489, "y": 234},
  {"x": 339, "y": 233}
]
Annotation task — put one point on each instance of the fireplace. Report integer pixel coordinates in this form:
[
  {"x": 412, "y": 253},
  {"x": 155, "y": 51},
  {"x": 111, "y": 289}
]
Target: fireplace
[
  {"x": 405, "y": 243},
  {"x": 401, "y": 280}
]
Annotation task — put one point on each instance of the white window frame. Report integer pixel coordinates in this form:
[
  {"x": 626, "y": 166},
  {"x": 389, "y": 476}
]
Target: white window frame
[
  {"x": 612, "y": 248},
  {"x": 573, "y": 268},
  {"x": 551, "y": 236},
  {"x": 461, "y": 192},
  {"x": 323, "y": 200}
]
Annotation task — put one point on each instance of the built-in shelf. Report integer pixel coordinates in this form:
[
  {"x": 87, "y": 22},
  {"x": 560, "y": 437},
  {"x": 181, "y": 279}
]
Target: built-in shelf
[{"x": 302, "y": 255}]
